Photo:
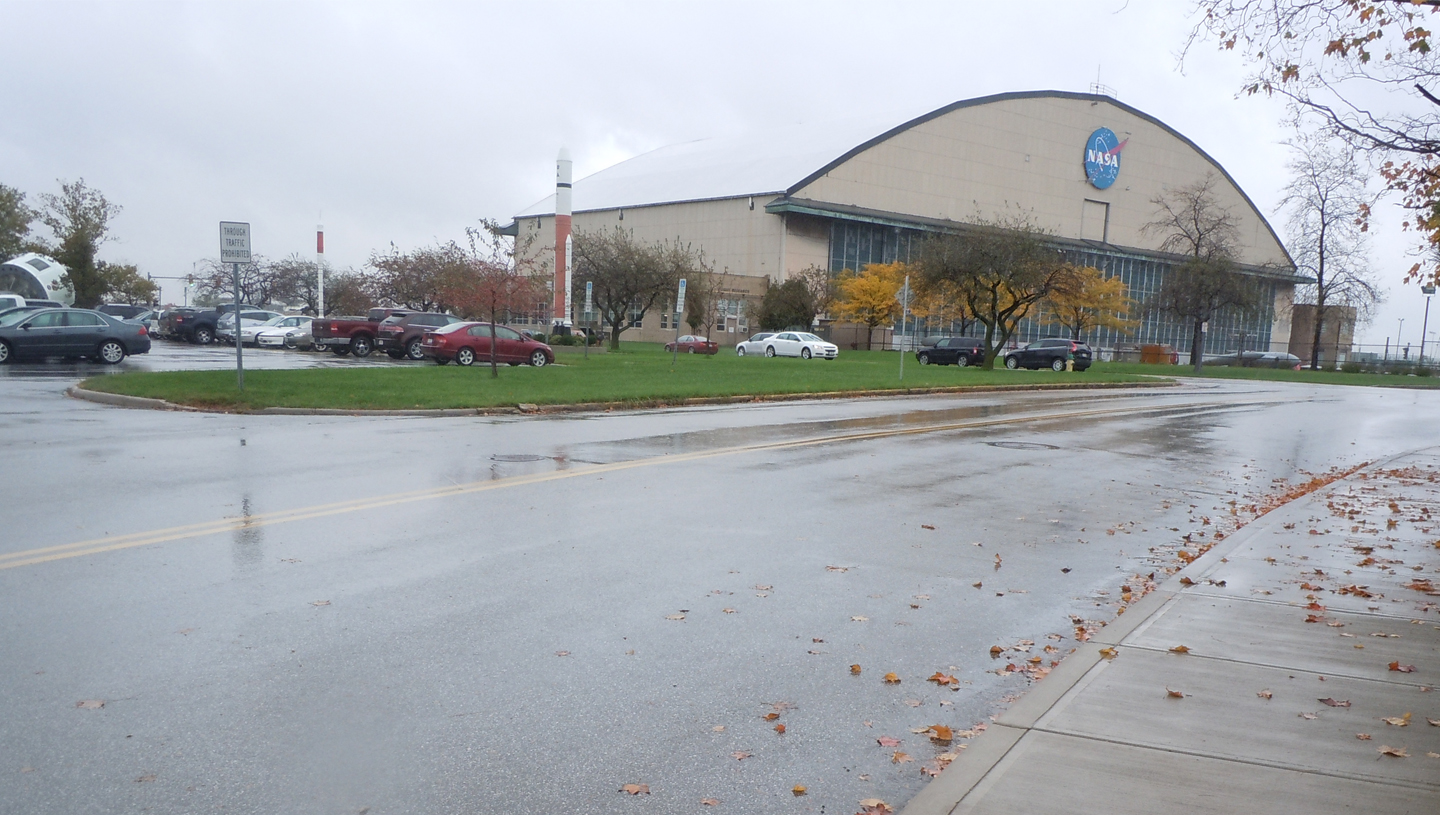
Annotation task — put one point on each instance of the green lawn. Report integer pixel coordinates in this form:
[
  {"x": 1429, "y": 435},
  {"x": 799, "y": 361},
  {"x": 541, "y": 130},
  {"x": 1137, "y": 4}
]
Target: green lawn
[
  {"x": 1276, "y": 375},
  {"x": 640, "y": 373}
]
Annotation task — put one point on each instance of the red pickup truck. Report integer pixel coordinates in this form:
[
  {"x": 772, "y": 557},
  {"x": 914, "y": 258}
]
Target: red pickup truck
[{"x": 352, "y": 335}]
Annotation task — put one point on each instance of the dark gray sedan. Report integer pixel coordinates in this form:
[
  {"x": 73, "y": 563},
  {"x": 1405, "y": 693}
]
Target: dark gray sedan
[{"x": 69, "y": 333}]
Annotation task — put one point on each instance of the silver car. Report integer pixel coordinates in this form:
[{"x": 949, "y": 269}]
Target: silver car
[
  {"x": 754, "y": 346},
  {"x": 799, "y": 344}
]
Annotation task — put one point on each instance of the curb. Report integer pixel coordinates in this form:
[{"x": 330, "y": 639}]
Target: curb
[
  {"x": 117, "y": 400},
  {"x": 945, "y": 793}
]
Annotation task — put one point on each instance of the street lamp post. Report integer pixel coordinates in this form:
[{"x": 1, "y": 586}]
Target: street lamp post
[
  {"x": 1429, "y": 290},
  {"x": 1397, "y": 336}
]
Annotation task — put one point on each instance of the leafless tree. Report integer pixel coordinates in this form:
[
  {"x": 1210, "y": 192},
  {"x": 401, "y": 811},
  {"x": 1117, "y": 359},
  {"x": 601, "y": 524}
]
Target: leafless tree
[
  {"x": 629, "y": 276},
  {"x": 1326, "y": 200}
]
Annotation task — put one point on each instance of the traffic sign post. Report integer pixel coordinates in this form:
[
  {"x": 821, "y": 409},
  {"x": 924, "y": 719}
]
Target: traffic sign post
[
  {"x": 904, "y": 313},
  {"x": 589, "y": 304},
  {"x": 235, "y": 250},
  {"x": 679, "y": 309}
]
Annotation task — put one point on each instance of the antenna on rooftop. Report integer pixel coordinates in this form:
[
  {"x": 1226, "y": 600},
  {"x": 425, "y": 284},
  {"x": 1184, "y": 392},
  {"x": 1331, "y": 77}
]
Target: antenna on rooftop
[{"x": 1101, "y": 90}]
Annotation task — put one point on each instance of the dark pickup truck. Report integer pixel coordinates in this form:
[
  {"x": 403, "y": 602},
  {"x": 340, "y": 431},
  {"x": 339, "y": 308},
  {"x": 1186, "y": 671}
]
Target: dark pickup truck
[{"x": 352, "y": 335}]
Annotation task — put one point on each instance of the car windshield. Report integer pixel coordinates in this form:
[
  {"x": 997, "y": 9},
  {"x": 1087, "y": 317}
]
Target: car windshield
[
  {"x": 759, "y": 337},
  {"x": 13, "y": 317},
  {"x": 809, "y": 338},
  {"x": 273, "y": 321}
]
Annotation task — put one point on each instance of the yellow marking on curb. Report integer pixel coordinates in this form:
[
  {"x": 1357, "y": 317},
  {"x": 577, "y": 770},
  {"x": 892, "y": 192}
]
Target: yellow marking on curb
[{"x": 30, "y": 557}]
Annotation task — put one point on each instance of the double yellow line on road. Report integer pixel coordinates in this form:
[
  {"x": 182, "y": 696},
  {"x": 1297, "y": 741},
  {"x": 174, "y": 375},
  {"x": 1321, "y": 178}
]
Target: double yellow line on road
[{"x": 31, "y": 557}]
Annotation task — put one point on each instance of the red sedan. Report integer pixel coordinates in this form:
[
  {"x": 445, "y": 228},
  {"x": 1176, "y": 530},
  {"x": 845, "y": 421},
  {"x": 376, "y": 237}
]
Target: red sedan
[
  {"x": 690, "y": 344},
  {"x": 469, "y": 343}
]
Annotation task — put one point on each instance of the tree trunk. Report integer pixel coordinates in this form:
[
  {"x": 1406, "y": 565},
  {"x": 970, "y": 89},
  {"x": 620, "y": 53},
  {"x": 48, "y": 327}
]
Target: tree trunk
[
  {"x": 869, "y": 335},
  {"x": 1319, "y": 330},
  {"x": 494, "y": 368},
  {"x": 1197, "y": 345},
  {"x": 991, "y": 352}
]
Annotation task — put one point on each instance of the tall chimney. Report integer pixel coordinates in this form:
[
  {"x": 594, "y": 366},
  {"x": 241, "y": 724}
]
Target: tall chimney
[
  {"x": 563, "y": 274},
  {"x": 320, "y": 270}
]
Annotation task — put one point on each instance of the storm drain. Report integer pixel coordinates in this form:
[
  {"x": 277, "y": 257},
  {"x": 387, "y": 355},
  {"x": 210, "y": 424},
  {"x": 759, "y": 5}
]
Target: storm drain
[
  {"x": 1022, "y": 445},
  {"x": 518, "y": 458}
]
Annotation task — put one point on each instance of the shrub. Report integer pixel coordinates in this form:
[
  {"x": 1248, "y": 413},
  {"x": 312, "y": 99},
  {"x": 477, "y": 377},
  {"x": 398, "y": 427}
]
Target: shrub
[{"x": 1352, "y": 367}]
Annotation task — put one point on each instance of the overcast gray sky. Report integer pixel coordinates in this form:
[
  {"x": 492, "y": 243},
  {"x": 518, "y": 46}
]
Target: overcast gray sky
[{"x": 406, "y": 122}]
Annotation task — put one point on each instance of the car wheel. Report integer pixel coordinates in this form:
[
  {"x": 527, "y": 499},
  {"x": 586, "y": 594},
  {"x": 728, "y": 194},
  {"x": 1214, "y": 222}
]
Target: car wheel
[
  {"x": 962, "y": 361},
  {"x": 1057, "y": 365},
  {"x": 1012, "y": 363},
  {"x": 341, "y": 350},
  {"x": 4, "y": 352},
  {"x": 414, "y": 350},
  {"x": 465, "y": 356},
  {"x": 769, "y": 350},
  {"x": 204, "y": 336},
  {"x": 538, "y": 358},
  {"x": 690, "y": 350},
  {"x": 739, "y": 351},
  {"x": 111, "y": 352},
  {"x": 290, "y": 343},
  {"x": 805, "y": 353},
  {"x": 924, "y": 359},
  {"x": 361, "y": 346}
]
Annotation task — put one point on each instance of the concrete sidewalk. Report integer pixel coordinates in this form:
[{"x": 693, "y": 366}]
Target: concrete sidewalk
[{"x": 1292, "y": 635}]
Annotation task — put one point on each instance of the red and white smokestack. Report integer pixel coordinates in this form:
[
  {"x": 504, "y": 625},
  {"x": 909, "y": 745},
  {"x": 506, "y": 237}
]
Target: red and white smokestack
[
  {"x": 320, "y": 270},
  {"x": 563, "y": 274}
]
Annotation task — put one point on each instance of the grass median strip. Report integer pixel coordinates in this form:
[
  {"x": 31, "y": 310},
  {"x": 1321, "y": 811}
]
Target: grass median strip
[{"x": 639, "y": 374}]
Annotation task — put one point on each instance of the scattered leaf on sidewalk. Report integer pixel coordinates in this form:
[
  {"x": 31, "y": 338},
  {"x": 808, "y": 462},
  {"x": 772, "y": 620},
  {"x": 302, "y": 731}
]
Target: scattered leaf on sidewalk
[
  {"x": 636, "y": 789},
  {"x": 941, "y": 734},
  {"x": 740, "y": 755},
  {"x": 858, "y": 619},
  {"x": 837, "y": 568},
  {"x": 770, "y": 717},
  {"x": 1309, "y": 715},
  {"x": 888, "y": 741},
  {"x": 1265, "y": 694},
  {"x": 891, "y": 678},
  {"x": 926, "y": 526},
  {"x": 855, "y": 669},
  {"x": 719, "y": 728},
  {"x": 798, "y": 790},
  {"x": 942, "y": 679},
  {"x": 1404, "y": 669},
  {"x": 1185, "y": 581},
  {"x": 1335, "y": 702},
  {"x": 90, "y": 704},
  {"x": 320, "y": 603},
  {"x": 977, "y": 584},
  {"x": 759, "y": 587},
  {"x": 1397, "y": 721},
  {"x": 1363, "y": 736},
  {"x": 914, "y": 702},
  {"x": 900, "y": 758},
  {"x": 996, "y": 651},
  {"x": 997, "y": 561},
  {"x": 674, "y": 616},
  {"x": 1180, "y": 649},
  {"x": 728, "y": 610},
  {"x": 780, "y": 728},
  {"x": 1398, "y": 752},
  {"x": 1174, "y": 694},
  {"x": 1433, "y": 722},
  {"x": 874, "y": 806},
  {"x": 562, "y": 653},
  {"x": 144, "y": 778},
  {"x": 1109, "y": 653},
  {"x": 1314, "y": 618},
  {"x": 709, "y": 802}
]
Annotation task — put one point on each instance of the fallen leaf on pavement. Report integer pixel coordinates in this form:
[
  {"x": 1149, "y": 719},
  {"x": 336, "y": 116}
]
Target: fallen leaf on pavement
[
  {"x": 636, "y": 789},
  {"x": 719, "y": 728},
  {"x": 977, "y": 584},
  {"x": 889, "y": 741},
  {"x": 740, "y": 755},
  {"x": 728, "y": 610},
  {"x": 770, "y": 717},
  {"x": 1265, "y": 694},
  {"x": 914, "y": 702},
  {"x": 798, "y": 790},
  {"x": 874, "y": 806},
  {"x": 1180, "y": 649},
  {"x": 1363, "y": 736},
  {"x": 926, "y": 526},
  {"x": 320, "y": 603},
  {"x": 996, "y": 651},
  {"x": 1433, "y": 722},
  {"x": 1309, "y": 715},
  {"x": 1109, "y": 653},
  {"x": 1398, "y": 721},
  {"x": 145, "y": 778},
  {"x": 709, "y": 802},
  {"x": 1404, "y": 669},
  {"x": 891, "y": 678},
  {"x": 1398, "y": 752},
  {"x": 837, "y": 568},
  {"x": 674, "y": 616},
  {"x": 763, "y": 588},
  {"x": 562, "y": 653},
  {"x": 997, "y": 561},
  {"x": 900, "y": 758},
  {"x": 1335, "y": 702},
  {"x": 90, "y": 704},
  {"x": 1185, "y": 581},
  {"x": 780, "y": 728},
  {"x": 942, "y": 679},
  {"x": 855, "y": 669},
  {"x": 940, "y": 733},
  {"x": 1174, "y": 694},
  {"x": 858, "y": 619}
]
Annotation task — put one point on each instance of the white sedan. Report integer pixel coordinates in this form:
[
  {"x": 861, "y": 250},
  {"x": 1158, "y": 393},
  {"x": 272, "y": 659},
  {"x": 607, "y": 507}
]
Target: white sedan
[
  {"x": 290, "y": 332},
  {"x": 753, "y": 347},
  {"x": 798, "y": 344}
]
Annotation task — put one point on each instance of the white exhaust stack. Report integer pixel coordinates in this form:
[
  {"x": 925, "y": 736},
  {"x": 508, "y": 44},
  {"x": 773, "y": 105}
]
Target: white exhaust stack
[{"x": 563, "y": 274}]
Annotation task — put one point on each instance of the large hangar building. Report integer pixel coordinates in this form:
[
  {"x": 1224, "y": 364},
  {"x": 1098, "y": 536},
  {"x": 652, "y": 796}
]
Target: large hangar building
[{"x": 839, "y": 197}]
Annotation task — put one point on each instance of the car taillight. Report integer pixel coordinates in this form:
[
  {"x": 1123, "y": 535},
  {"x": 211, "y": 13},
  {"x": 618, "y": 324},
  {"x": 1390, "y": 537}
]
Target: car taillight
[{"x": 144, "y": 331}]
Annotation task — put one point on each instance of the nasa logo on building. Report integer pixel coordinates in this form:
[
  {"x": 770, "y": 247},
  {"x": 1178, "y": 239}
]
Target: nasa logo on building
[{"x": 1102, "y": 157}]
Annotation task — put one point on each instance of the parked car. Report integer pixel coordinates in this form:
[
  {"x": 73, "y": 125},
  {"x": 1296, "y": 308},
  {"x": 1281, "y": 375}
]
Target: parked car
[
  {"x": 122, "y": 310},
  {"x": 1258, "y": 359},
  {"x": 468, "y": 343},
  {"x": 400, "y": 335},
  {"x": 691, "y": 344},
  {"x": 962, "y": 351},
  {"x": 199, "y": 326},
  {"x": 9, "y": 301},
  {"x": 168, "y": 319},
  {"x": 225, "y": 325},
  {"x": 286, "y": 332},
  {"x": 800, "y": 344},
  {"x": 1050, "y": 353},
  {"x": 352, "y": 335},
  {"x": 753, "y": 346},
  {"x": 69, "y": 333}
]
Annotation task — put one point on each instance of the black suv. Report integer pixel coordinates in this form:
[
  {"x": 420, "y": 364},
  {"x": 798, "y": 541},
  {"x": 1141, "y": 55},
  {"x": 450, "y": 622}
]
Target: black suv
[
  {"x": 400, "y": 336},
  {"x": 1050, "y": 353},
  {"x": 199, "y": 326},
  {"x": 962, "y": 351}
]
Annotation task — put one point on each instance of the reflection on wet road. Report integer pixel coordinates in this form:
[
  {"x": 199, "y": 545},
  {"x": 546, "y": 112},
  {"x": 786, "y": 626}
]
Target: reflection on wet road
[{"x": 520, "y": 614}]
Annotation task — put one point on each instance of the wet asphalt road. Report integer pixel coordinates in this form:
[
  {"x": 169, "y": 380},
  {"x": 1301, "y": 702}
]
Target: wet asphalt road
[{"x": 290, "y": 614}]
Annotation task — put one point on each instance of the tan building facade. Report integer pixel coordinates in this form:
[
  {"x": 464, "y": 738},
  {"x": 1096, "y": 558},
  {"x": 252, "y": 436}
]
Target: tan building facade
[{"x": 763, "y": 209}]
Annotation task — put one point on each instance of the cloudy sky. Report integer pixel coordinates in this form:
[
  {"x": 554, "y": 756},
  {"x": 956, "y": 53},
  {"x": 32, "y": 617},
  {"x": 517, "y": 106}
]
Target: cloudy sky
[{"x": 406, "y": 122}]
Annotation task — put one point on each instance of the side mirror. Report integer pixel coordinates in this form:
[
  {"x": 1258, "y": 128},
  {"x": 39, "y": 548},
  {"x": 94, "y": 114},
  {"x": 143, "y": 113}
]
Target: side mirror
[{"x": 25, "y": 326}]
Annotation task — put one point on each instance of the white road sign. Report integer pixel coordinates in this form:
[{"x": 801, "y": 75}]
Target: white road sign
[{"x": 234, "y": 242}]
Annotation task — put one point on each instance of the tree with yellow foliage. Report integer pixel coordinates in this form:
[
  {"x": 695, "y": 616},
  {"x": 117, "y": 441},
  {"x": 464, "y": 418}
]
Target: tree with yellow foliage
[
  {"x": 1089, "y": 299},
  {"x": 869, "y": 298},
  {"x": 941, "y": 301}
]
